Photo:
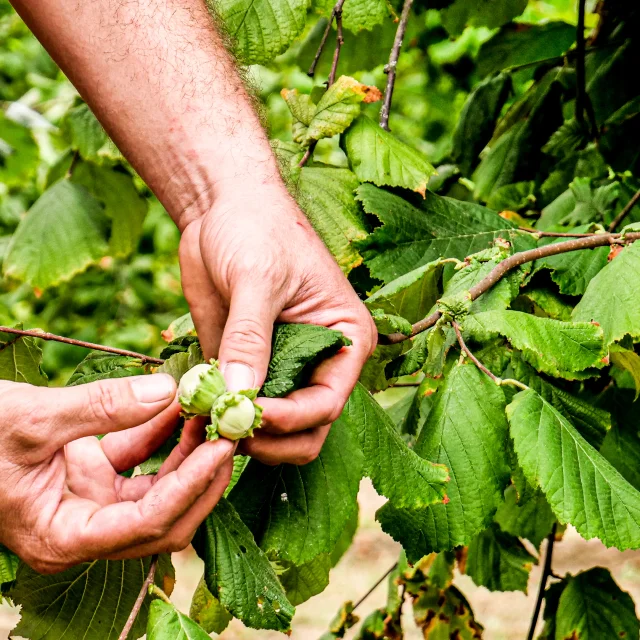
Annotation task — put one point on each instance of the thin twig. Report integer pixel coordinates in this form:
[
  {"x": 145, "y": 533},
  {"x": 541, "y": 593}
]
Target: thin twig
[
  {"x": 336, "y": 52},
  {"x": 391, "y": 68},
  {"x": 625, "y": 212},
  {"x": 375, "y": 586},
  {"x": 307, "y": 154},
  {"x": 513, "y": 261},
  {"x": 72, "y": 165},
  {"x": 546, "y": 572},
  {"x": 554, "y": 234},
  {"x": 469, "y": 354},
  {"x": 337, "y": 9},
  {"x": 44, "y": 335},
  {"x": 140, "y": 599}
]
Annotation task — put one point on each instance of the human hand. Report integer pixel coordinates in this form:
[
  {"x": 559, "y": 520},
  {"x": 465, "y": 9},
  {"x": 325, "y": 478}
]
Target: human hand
[
  {"x": 252, "y": 260},
  {"x": 61, "y": 498}
]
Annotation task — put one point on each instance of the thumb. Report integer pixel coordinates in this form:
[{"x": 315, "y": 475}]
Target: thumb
[
  {"x": 246, "y": 340},
  {"x": 104, "y": 406}
]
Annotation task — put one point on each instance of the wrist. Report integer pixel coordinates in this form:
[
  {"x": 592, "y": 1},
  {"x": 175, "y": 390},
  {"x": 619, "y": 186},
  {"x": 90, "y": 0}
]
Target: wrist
[{"x": 223, "y": 174}]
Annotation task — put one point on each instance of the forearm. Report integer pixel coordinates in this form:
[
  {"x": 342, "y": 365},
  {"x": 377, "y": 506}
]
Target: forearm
[{"x": 157, "y": 76}]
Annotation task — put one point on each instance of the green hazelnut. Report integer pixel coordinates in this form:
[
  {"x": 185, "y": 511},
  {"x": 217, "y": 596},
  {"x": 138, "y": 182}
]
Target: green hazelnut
[
  {"x": 199, "y": 388},
  {"x": 234, "y": 416}
]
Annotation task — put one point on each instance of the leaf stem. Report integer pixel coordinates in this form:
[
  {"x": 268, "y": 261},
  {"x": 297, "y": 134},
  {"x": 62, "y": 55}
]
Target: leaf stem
[
  {"x": 44, "y": 335},
  {"x": 625, "y": 212},
  {"x": 391, "y": 67},
  {"x": 140, "y": 599},
  {"x": 513, "y": 261},
  {"x": 546, "y": 572},
  {"x": 155, "y": 590},
  {"x": 378, "y": 582},
  {"x": 469, "y": 354}
]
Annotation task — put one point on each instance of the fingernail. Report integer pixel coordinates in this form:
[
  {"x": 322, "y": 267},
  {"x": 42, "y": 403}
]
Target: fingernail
[
  {"x": 153, "y": 388},
  {"x": 239, "y": 376}
]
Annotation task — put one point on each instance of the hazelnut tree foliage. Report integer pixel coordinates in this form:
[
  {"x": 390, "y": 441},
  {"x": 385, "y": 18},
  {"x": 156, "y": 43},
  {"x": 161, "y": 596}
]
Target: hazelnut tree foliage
[{"x": 474, "y": 169}]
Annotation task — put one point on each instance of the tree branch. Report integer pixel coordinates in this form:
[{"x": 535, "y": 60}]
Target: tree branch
[
  {"x": 391, "y": 67},
  {"x": 546, "y": 572},
  {"x": 339, "y": 43},
  {"x": 513, "y": 261},
  {"x": 37, "y": 333},
  {"x": 625, "y": 212},
  {"x": 140, "y": 599}
]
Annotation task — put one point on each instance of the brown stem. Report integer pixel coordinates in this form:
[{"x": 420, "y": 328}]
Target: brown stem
[
  {"x": 36, "y": 333},
  {"x": 336, "y": 52},
  {"x": 325, "y": 36},
  {"x": 546, "y": 572},
  {"x": 307, "y": 154},
  {"x": 391, "y": 67},
  {"x": 140, "y": 599},
  {"x": 72, "y": 166},
  {"x": 376, "y": 585},
  {"x": 513, "y": 261},
  {"x": 554, "y": 234},
  {"x": 625, "y": 212},
  {"x": 469, "y": 354}
]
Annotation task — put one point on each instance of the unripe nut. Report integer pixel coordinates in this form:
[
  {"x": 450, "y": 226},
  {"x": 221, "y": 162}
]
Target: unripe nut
[
  {"x": 199, "y": 388},
  {"x": 234, "y": 416}
]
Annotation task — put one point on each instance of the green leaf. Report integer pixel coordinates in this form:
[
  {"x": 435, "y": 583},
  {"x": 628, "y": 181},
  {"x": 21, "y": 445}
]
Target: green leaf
[
  {"x": 180, "y": 327},
  {"x": 628, "y": 361},
  {"x": 378, "y": 156},
  {"x": 122, "y": 204},
  {"x": 300, "y": 104},
  {"x": 466, "y": 430},
  {"x": 480, "y": 14},
  {"x": 528, "y": 516},
  {"x": 99, "y": 365},
  {"x": 387, "y": 324},
  {"x": 299, "y": 512},
  {"x": 261, "y": 29},
  {"x": 514, "y": 154},
  {"x": 61, "y": 235},
  {"x": 413, "y": 360},
  {"x": 592, "y": 422},
  {"x": 238, "y": 573},
  {"x": 154, "y": 462},
  {"x": 8, "y": 566},
  {"x": 302, "y": 582},
  {"x": 499, "y": 561},
  {"x": 412, "y": 295},
  {"x": 396, "y": 471},
  {"x": 442, "y": 228},
  {"x": 621, "y": 446},
  {"x": 612, "y": 298},
  {"x": 478, "y": 119},
  {"x": 513, "y": 197},
  {"x": 521, "y": 43},
  {"x": 179, "y": 363},
  {"x": 167, "y": 623},
  {"x": 582, "y": 488},
  {"x": 593, "y": 607},
  {"x": 207, "y": 611},
  {"x": 20, "y": 359},
  {"x": 553, "y": 347},
  {"x": 87, "y": 134},
  {"x": 326, "y": 196},
  {"x": 73, "y": 604},
  {"x": 364, "y": 14},
  {"x": 297, "y": 350},
  {"x": 573, "y": 271},
  {"x": 546, "y": 303},
  {"x": 337, "y": 108}
]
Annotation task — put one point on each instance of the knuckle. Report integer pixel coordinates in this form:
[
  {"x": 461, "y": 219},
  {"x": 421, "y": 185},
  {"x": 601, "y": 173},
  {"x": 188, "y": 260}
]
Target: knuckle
[
  {"x": 310, "y": 454},
  {"x": 179, "y": 543},
  {"x": 335, "y": 412},
  {"x": 105, "y": 402},
  {"x": 245, "y": 336}
]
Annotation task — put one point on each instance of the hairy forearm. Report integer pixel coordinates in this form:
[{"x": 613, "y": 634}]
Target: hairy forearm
[{"x": 157, "y": 76}]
